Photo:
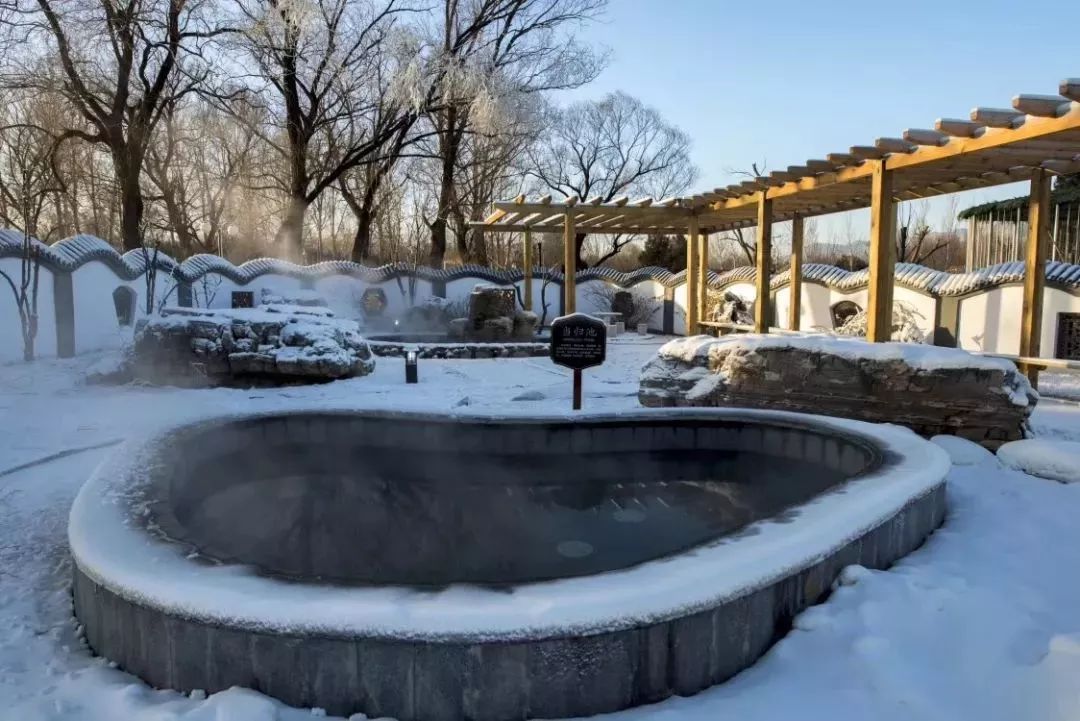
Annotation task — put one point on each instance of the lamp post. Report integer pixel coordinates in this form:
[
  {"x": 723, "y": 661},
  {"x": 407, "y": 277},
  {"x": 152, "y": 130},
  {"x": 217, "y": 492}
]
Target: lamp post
[{"x": 412, "y": 355}]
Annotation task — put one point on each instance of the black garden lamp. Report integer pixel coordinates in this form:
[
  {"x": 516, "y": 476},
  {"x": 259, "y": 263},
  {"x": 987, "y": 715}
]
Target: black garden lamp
[{"x": 412, "y": 355}]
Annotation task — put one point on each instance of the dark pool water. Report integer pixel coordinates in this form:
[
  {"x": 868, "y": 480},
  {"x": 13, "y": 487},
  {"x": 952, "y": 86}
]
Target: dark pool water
[{"x": 430, "y": 519}]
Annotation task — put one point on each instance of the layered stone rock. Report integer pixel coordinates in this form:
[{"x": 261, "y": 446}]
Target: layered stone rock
[
  {"x": 494, "y": 318},
  {"x": 928, "y": 389},
  {"x": 271, "y": 345}
]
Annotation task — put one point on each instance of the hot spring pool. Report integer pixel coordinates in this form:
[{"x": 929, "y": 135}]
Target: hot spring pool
[{"x": 430, "y": 567}]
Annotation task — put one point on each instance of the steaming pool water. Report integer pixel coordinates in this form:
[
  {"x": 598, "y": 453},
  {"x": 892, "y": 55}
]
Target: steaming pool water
[
  {"x": 374, "y": 517},
  {"x": 422, "y": 566}
]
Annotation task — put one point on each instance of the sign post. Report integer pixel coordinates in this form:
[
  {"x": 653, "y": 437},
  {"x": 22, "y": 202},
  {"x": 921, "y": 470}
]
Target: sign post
[{"x": 578, "y": 341}]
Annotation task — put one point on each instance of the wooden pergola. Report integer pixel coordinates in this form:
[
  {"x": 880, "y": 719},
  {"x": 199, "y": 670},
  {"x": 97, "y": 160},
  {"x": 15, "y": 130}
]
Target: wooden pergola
[{"x": 1036, "y": 139}]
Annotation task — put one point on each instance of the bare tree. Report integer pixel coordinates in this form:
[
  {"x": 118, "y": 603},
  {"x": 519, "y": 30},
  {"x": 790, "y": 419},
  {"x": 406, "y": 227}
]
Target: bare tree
[
  {"x": 608, "y": 148},
  {"x": 24, "y": 290},
  {"x": 120, "y": 64},
  {"x": 340, "y": 84},
  {"x": 488, "y": 171},
  {"x": 26, "y": 174},
  {"x": 362, "y": 187},
  {"x": 198, "y": 161},
  {"x": 502, "y": 50},
  {"x": 26, "y": 180},
  {"x": 744, "y": 240},
  {"x": 915, "y": 240}
]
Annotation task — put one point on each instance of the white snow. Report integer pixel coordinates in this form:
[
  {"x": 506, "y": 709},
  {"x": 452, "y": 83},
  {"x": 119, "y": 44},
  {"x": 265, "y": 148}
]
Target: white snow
[
  {"x": 1052, "y": 459},
  {"x": 979, "y": 623},
  {"x": 963, "y": 452}
]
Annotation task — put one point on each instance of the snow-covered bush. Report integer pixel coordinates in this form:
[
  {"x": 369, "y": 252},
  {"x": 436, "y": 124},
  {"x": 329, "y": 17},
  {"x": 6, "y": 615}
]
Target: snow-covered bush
[
  {"x": 905, "y": 326},
  {"x": 727, "y": 307}
]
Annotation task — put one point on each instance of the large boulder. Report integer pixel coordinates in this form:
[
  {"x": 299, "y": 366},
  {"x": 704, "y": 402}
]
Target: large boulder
[
  {"x": 493, "y": 318},
  {"x": 271, "y": 345},
  {"x": 928, "y": 389},
  {"x": 489, "y": 302}
]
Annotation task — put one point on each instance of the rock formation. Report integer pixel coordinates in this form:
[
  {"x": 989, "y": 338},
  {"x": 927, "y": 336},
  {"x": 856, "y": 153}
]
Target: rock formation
[
  {"x": 929, "y": 389},
  {"x": 271, "y": 345},
  {"x": 494, "y": 318}
]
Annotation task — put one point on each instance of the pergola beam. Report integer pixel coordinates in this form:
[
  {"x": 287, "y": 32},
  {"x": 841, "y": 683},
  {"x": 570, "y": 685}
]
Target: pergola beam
[
  {"x": 925, "y": 137},
  {"x": 997, "y": 117},
  {"x": 1070, "y": 88},
  {"x": 1042, "y": 106},
  {"x": 959, "y": 128}
]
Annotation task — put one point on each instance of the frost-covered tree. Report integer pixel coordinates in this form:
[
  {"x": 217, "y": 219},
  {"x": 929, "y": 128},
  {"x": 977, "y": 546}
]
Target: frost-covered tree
[
  {"x": 608, "y": 148},
  {"x": 496, "y": 52},
  {"x": 333, "y": 78}
]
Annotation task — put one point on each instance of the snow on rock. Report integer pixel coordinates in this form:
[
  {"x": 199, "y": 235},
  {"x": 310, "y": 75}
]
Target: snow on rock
[
  {"x": 1052, "y": 459},
  {"x": 271, "y": 345},
  {"x": 964, "y": 452},
  {"x": 929, "y": 389}
]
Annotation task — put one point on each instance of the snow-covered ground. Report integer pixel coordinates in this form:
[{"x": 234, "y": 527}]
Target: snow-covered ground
[{"x": 983, "y": 622}]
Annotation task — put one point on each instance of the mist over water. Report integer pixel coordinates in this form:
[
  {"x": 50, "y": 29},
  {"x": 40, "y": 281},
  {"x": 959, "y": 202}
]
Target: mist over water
[{"x": 425, "y": 518}]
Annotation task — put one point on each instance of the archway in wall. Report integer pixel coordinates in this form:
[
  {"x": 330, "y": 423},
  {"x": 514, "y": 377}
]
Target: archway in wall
[{"x": 124, "y": 303}]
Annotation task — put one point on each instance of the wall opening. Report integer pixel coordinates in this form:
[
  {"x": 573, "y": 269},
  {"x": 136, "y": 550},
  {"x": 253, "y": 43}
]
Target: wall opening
[
  {"x": 124, "y": 302},
  {"x": 842, "y": 312}
]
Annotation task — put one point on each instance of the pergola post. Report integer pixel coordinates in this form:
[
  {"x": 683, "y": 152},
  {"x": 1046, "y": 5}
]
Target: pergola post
[
  {"x": 692, "y": 277},
  {"x": 795, "y": 274},
  {"x": 569, "y": 265},
  {"x": 703, "y": 277},
  {"x": 764, "y": 257},
  {"x": 882, "y": 255},
  {"x": 528, "y": 262},
  {"x": 1035, "y": 269}
]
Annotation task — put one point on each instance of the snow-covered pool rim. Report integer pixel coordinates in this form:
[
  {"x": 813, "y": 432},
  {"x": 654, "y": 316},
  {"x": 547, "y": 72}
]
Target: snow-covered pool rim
[{"x": 156, "y": 575}]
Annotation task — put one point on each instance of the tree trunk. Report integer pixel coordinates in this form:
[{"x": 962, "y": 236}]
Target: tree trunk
[
  {"x": 478, "y": 247},
  {"x": 361, "y": 249},
  {"x": 579, "y": 245},
  {"x": 131, "y": 206},
  {"x": 449, "y": 145},
  {"x": 290, "y": 234},
  {"x": 438, "y": 243}
]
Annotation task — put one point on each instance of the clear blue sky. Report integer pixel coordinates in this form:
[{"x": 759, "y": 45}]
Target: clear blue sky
[{"x": 783, "y": 81}]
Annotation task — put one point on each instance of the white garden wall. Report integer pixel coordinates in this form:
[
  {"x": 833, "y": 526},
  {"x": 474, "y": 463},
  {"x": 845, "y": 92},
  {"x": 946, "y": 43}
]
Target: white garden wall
[{"x": 987, "y": 303}]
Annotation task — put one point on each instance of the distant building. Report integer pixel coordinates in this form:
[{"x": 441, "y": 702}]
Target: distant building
[{"x": 997, "y": 232}]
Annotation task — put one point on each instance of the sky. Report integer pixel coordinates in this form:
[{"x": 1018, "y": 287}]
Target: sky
[{"x": 780, "y": 82}]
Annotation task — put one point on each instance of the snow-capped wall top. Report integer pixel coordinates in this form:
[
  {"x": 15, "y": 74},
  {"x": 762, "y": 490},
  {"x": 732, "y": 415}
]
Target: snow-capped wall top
[{"x": 68, "y": 254}]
